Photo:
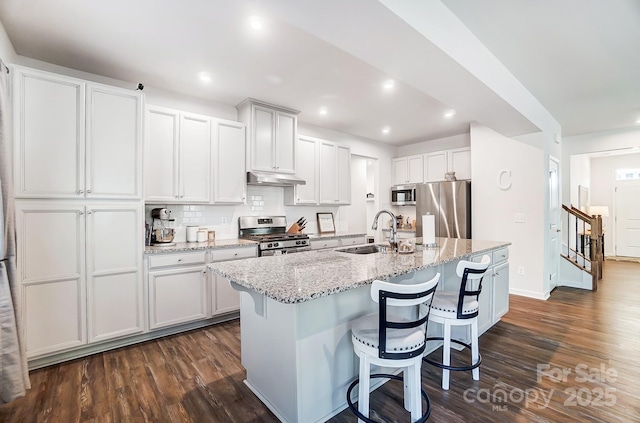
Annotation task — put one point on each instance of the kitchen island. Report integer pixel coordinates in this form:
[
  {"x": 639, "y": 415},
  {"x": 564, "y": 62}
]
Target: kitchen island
[{"x": 296, "y": 312}]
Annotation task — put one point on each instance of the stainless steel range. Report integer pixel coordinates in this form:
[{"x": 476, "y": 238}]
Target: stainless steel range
[{"x": 271, "y": 233}]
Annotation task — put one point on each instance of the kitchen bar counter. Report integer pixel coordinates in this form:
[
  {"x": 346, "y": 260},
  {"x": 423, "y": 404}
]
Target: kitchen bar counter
[
  {"x": 300, "y": 277},
  {"x": 296, "y": 312},
  {"x": 194, "y": 246}
]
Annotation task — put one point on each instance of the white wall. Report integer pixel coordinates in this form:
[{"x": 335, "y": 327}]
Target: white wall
[
  {"x": 494, "y": 208},
  {"x": 602, "y": 190},
  {"x": 579, "y": 175},
  {"x": 620, "y": 139},
  {"x": 7, "y": 53},
  {"x": 455, "y": 141}
]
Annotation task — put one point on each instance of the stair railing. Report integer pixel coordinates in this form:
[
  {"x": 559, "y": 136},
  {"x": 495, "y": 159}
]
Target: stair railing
[{"x": 584, "y": 242}]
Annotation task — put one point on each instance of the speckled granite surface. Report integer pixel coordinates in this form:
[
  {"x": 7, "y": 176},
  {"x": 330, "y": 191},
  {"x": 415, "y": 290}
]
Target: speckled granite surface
[
  {"x": 304, "y": 276},
  {"x": 194, "y": 246},
  {"x": 334, "y": 235}
]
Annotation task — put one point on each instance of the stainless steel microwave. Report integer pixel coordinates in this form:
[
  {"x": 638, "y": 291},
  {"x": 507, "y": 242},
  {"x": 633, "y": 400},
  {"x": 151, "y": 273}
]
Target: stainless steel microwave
[{"x": 403, "y": 195}]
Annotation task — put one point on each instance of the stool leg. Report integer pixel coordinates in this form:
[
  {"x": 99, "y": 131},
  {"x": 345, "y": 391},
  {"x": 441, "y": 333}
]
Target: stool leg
[
  {"x": 415, "y": 391},
  {"x": 364, "y": 387},
  {"x": 446, "y": 354},
  {"x": 407, "y": 378},
  {"x": 475, "y": 353}
]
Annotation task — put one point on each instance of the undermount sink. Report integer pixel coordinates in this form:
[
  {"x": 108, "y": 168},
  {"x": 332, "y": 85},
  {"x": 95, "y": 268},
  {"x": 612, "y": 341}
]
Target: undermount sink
[{"x": 364, "y": 249}]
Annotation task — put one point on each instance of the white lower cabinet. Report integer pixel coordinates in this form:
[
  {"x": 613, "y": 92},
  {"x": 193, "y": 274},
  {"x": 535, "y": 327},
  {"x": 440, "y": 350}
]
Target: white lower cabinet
[
  {"x": 225, "y": 299},
  {"x": 177, "y": 296},
  {"x": 80, "y": 272},
  {"x": 357, "y": 240},
  {"x": 501, "y": 288},
  {"x": 177, "y": 288},
  {"x": 321, "y": 244}
]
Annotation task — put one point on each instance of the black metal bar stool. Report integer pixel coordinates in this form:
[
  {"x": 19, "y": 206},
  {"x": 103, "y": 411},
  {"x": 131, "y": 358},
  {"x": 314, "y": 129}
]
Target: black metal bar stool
[
  {"x": 391, "y": 340},
  {"x": 451, "y": 308}
]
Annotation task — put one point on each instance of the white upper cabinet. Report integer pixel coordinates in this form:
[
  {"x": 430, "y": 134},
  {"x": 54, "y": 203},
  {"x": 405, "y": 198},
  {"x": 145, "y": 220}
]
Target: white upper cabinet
[
  {"x": 335, "y": 173},
  {"x": 75, "y": 139},
  {"x": 438, "y": 163},
  {"x": 435, "y": 166},
  {"x": 194, "y": 179},
  {"x": 114, "y": 143},
  {"x": 177, "y": 156},
  {"x": 229, "y": 180},
  {"x": 408, "y": 170},
  {"x": 459, "y": 161},
  {"x": 271, "y": 136},
  {"x": 308, "y": 163}
]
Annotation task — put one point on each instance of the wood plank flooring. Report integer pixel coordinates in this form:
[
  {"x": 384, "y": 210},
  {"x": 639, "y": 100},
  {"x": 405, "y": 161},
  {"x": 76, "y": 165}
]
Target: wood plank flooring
[{"x": 594, "y": 337}]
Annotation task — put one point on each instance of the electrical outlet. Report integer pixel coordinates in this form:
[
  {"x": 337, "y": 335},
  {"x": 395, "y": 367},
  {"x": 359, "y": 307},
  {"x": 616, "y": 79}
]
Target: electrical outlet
[
  {"x": 519, "y": 217},
  {"x": 224, "y": 220},
  {"x": 521, "y": 270}
]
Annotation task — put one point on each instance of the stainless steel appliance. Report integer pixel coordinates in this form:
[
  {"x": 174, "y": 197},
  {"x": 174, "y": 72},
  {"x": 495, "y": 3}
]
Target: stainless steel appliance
[
  {"x": 271, "y": 234},
  {"x": 161, "y": 234},
  {"x": 450, "y": 202},
  {"x": 403, "y": 195}
]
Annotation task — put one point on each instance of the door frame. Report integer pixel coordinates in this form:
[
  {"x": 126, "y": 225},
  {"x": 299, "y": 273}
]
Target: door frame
[{"x": 553, "y": 282}]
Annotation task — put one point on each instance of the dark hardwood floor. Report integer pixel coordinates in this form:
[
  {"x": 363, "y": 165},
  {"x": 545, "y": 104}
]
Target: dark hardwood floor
[{"x": 586, "y": 343}]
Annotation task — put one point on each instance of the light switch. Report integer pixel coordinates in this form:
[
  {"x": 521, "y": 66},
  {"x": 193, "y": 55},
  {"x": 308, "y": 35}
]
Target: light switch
[{"x": 519, "y": 218}]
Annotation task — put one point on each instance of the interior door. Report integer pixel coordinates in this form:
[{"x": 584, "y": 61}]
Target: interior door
[
  {"x": 627, "y": 216},
  {"x": 554, "y": 223}
]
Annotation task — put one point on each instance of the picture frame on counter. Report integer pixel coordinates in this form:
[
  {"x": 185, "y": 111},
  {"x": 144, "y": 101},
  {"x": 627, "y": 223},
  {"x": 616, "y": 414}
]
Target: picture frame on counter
[{"x": 325, "y": 223}]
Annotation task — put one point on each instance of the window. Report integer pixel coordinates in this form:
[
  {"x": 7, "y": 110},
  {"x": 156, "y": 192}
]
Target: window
[{"x": 627, "y": 174}]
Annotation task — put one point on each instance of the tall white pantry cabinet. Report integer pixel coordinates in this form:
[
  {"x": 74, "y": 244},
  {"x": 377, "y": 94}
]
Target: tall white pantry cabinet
[{"x": 79, "y": 210}]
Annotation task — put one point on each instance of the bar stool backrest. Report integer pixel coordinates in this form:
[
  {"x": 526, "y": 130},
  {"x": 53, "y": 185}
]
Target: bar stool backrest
[{"x": 470, "y": 271}]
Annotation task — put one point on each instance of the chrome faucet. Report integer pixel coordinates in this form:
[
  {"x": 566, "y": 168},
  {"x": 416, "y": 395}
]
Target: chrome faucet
[{"x": 393, "y": 240}]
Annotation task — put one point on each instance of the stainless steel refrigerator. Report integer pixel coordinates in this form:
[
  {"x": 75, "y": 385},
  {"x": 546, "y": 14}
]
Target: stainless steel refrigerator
[{"x": 450, "y": 202}]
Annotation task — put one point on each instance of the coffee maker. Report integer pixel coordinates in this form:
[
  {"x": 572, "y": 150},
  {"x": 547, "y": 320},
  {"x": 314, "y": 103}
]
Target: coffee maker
[{"x": 161, "y": 234}]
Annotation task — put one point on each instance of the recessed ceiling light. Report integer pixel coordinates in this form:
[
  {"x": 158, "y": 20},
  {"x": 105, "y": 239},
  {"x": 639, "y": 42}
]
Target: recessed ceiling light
[
  {"x": 204, "y": 77},
  {"x": 389, "y": 84},
  {"x": 256, "y": 23},
  {"x": 637, "y": 120},
  {"x": 323, "y": 110},
  {"x": 386, "y": 130},
  {"x": 449, "y": 113}
]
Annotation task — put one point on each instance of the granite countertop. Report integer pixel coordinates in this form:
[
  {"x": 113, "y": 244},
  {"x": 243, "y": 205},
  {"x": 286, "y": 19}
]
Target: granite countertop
[
  {"x": 333, "y": 235},
  {"x": 401, "y": 229},
  {"x": 195, "y": 246},
  {"x": 300, "y": 277}
]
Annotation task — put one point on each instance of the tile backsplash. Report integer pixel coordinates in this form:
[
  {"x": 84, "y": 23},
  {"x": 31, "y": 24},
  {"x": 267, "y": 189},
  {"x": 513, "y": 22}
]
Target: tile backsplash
[{"x": 224, "y": 218}]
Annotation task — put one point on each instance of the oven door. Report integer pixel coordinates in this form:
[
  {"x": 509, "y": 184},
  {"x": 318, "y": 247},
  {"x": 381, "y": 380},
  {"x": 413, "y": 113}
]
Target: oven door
[{"x": 281, "y": 251}]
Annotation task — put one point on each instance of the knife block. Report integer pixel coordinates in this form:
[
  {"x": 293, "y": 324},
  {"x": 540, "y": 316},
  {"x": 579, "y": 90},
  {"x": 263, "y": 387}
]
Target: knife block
[{"x": 294, "y": 229}]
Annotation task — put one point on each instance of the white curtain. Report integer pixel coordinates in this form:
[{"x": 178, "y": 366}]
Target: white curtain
[{"x": 14, "y": 374}]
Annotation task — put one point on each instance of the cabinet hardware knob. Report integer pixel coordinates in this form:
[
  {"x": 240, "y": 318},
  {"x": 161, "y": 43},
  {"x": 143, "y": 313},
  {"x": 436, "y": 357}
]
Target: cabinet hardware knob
[
  {"x": 88, "y": 191},
  {"x": 80, "y": 191},
  {"x": 89, "y": 211},
  {"x": 81, "y": 213},
  {"x": 179, "y": 259}
]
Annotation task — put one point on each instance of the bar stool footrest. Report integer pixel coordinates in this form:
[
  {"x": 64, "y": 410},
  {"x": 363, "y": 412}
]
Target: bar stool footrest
[
  {"x": 453, "y": 368},
  {"x": 355, "y": 411}
]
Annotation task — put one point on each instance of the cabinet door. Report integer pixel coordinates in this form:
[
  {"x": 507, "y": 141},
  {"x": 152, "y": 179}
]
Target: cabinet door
[
  {"x": 263, "y": 139},
  {"x": 161, "y": 155},
  {"x": 49, "y": 143},
  {"x": 195, "y": 158},
  {"x": 50, "y": 267},
  {"x": 285, "y": 143},
  {"x": 399, "y": 166},
  {"x": 225, "y": 299},
  {"x": 307, "y": 161},
  {"x": 501, "y": 291},
  {"x": 230, "y": 179},
  {"x": 415, "y": 172},
  {"x": 485, "y": 306},
  {"x": 114, "y": 270},
  {"x": 114, "y": 143},
  {"x": 435, "y": 166},
  {"x": 177, "y": 296},
  {"x": 344, "y": 175},
  {"x": 328, "y": 173},
  {"x": 459, "y": 161}
]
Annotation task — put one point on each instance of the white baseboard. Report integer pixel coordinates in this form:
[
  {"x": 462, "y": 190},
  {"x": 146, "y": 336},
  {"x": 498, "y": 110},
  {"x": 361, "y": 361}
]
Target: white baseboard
[{"x": 530, "y": 294}]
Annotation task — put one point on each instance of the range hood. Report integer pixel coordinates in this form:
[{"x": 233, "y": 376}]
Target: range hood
[{"x": 273, "y": 179}]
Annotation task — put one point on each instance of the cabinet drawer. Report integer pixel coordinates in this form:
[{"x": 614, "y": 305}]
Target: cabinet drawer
[
  {"x": 500, "y": 255},
  {"x": 165, "y": 260},
  {"x": 327, "y": 243},
  {"x": 352, "y": 240},
  {"x": 224, "y": 254}
]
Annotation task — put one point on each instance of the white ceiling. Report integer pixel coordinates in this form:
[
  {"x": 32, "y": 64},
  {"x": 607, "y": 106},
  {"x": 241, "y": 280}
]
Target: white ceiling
[{"x": 578, "y": 57}]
